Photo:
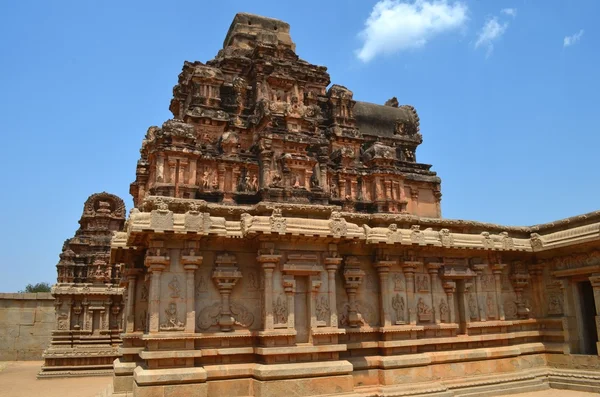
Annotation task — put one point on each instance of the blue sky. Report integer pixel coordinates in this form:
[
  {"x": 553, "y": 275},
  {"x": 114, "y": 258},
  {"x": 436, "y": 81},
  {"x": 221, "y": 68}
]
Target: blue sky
[{"x": 507, "y": 93}]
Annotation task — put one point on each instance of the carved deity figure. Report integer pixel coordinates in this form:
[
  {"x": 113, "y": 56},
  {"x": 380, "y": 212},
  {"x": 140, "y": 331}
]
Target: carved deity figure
[
  {"x": 206, "y": 180},
  {"x": 491, "y": 310},
  {"x": 280, "y": 311},
  {"x": 174, "y": 287},
  {"x": 333, "y": 190},
  {"x": 444, "y": 310},
  {"x": 399, "y": 307},
  {"x": 144, "y": 292},
  {"x": 172, "y": 322},
  {"x": 422, "y": 308},
  {"x": 322, "y": 309}
]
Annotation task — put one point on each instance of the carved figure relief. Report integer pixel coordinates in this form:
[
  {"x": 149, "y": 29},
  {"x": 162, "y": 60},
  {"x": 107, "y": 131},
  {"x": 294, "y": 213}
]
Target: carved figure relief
[
  {"x": 422, "y": 283},
  {"x": 175, "y": 287},
  {"x": 322, "y": 309},
  {"x": 209, "y": 316},
  {"x": 472, "y": 306},
  {"x": 337, "y": 225},
  {"x": 63, "y": 321},
  {"x": 555, "y": 303},
  {"x": 172, "y": 323},
  {"x": 487, "y": 282},
  {"x": 398, "y": 279},
  {"x": 278, "y": 222},
  {"x": 365, "y": 311},
  {"x": 399, "y": 308},
  {"x": 253, "y": 283},
  {"x": 423, "y": 311},
  {"x": 416, "y": 235},
  {"x": 280, "y": 310},
  {"x": 370, "y": 283},
  {"x": 446, "y": 238},
  {"x": 444, "y": 310},
  {"x": 142, "y": 321},
  {"x": 202, "y": 284}
]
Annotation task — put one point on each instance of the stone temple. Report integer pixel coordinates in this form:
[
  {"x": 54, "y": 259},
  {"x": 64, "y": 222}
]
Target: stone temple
[
  {"x": 88, "y": 299},
  {"x": 284, "y": 240}
]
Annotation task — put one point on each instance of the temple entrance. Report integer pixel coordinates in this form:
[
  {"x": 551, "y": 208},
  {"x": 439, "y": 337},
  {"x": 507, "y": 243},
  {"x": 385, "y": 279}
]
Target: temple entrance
[
  {"x": 460, "y": 302},
  {"x": 587, "y": 320},
  {"x": 301, "y": 317}
]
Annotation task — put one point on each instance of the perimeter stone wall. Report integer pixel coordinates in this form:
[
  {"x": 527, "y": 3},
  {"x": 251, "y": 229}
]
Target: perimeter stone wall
[{"x": 26, "y": 324}]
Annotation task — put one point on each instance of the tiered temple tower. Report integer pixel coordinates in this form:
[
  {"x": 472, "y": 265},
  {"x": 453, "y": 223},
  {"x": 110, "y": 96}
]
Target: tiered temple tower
[
  {"x": 257, "y": 123},
  {"x": 89, "y": 302},
  {"x": 285, "y": 241}
]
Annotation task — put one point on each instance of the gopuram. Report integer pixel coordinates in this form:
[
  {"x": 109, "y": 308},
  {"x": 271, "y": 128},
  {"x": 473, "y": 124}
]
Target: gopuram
[
  {"x": 88, "y": 299},
  {"x": 284, "y": 240}
]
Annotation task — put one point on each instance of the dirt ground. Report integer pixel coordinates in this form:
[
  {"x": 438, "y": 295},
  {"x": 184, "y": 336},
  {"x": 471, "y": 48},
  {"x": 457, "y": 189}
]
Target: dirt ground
[{"x": 18, "y": 379}]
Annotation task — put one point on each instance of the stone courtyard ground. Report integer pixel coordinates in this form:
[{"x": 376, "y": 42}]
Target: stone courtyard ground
[{"x": 18, "y": 379}]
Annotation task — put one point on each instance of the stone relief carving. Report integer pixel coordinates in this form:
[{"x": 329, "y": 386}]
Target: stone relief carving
[
  {"x": 322, "y": 309},
  {"x": 174, "y": 287},
  {"x": 337, "y": 225},
  {"x": 446, "y": 238},
  {"x": 399, "y": 308},
  {"x": 278, "y": 222},
  {"x": 202, "y": 284},
  {"x": 63, "y": 321},
  {"x": 422, "y": 283},
  {"x": 555, "y": 303},
  {"x": 398, "y": 279},
  {"x": 142, "y": 321},
  {"x": 444, "y": 310},
  {"x": 144, "y": 293},
  {"x": 510, "y": 309},
  {"x": 472, "y": 306},
  {"x": 209, "y": 316},
  {"x": 416, "y": 235},
  {"x": 280, "y": 310},
  {"x": 172, "y": 323},
  {"x": 423, "y": 311},
  {"x": 365, "y": 312}
]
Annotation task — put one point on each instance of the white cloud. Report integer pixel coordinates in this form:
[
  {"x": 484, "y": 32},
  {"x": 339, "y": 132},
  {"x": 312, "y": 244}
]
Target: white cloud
[
  {"x": 573, "y": 39},
  {"x": 510, "y": 12},
  {"x": 396, "y": 25},
  {"x": 491, "y": 31}
]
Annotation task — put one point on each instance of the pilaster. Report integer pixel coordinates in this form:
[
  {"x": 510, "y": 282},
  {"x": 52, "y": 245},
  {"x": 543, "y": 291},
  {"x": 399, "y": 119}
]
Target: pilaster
[
  {"x": 497, "y": 272},
  {"x": 383, "y": 266},
  {"x": 191, "y": 262},
  {"x": 433, "y": 270},
  {"x": 409, "y": 268},
  {"x": 268, "y": 261}
]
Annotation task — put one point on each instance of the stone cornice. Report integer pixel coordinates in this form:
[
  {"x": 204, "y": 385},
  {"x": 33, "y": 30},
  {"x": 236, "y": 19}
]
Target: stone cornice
[{"x": 199, "y": 218}]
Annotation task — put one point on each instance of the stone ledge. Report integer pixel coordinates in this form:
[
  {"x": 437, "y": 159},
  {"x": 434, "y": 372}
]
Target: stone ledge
[
  {"x": 303, "y": 370},
  {"x": 169, "y": 376},
  {"x": 122, "y": 368},
  {"x": 157, "y": 355},
  {"x": 266, "y": 351}
]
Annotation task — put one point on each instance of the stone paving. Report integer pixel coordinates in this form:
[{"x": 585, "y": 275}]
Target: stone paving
[{"x": 18, "y": 379}]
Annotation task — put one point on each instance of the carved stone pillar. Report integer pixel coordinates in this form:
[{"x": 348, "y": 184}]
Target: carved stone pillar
[
  {"x": 536, "y": 271},
  {"x": 595, "y": 280},
  {"x": 160, "y": 168},
  {"x": 353, "y": 276},
  {"x": 190, "y": 262},
  {"x": 265, "y": 164},
  {"x": 86, "y": 324},
  {"x": 383, "y": 268},
  {"x": 433, "y": 269},
  {"x": 221, "y": 176},
  {"x": 409, "y": 268},
  {"x": 172, "y": 171},
  {"x": 314, "y": 286},
  {"x": 450, "y": 290},
  {"x": 497, "y": 271},
  {"x": 193, "y": 173},
  {"x": 130, "y": 309},
  {"x": 331, "y": 265},
  {"x": 289, "y": 287},
  {"x": 156, "y": 261},
  {"x": 479, "y": 291},
  {"x": 520, "y": 280},
  {"x": 268, "y": 263},
  {"x": 105, "y": 315},
  {"x": 226, "y": 275},
  {"x": 342, "y": 187}
]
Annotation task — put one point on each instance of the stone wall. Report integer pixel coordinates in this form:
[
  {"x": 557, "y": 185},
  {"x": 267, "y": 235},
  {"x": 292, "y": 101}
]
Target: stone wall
[{"x": 26, "y": 325}]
